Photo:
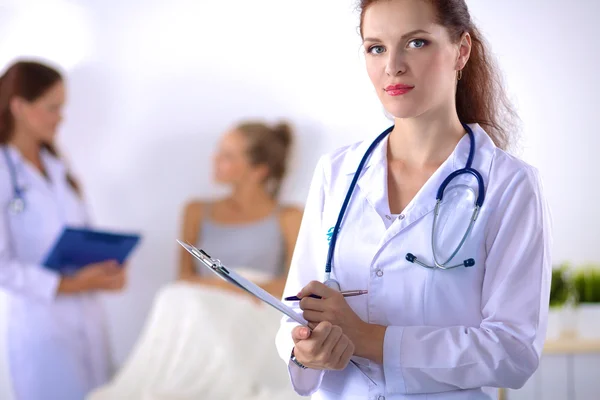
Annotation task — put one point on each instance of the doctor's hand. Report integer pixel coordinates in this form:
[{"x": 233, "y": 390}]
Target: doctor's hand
[
  {"x": 332, "y": 307},
  {"x": 326, "y": 347},
  {"x": 107, "y": 275}
]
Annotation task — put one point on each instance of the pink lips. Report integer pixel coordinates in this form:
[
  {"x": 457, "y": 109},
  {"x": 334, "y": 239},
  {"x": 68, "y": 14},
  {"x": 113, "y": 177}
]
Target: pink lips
[{"x": 398, "y": 90}]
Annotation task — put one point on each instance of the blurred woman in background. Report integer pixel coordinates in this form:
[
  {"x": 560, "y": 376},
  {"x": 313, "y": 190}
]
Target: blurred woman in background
[
  {"x": 199, "y": 338},
  {"x": 57, "y": 343},
  {"x": 249, "y": 230}
]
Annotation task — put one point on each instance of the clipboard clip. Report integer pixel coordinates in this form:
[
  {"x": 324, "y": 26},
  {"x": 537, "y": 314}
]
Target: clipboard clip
[{"x": 213, "y": 263}]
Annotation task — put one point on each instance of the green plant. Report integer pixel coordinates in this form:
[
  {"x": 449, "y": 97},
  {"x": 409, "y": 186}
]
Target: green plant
[
  {"x": 586, "y": 284},
  {"x": 559, "y": 286}
]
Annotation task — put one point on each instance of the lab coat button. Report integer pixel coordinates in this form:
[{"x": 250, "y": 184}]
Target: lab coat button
[
  {"x": 381, "y": 398},
  {"x": 379, "y": 272},
  {"x": 401, "y": 216},
  {"x": 388, "y": 217}
]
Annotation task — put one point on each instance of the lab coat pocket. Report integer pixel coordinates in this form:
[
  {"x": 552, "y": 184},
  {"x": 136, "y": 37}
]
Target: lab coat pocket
[
  {"x": 454, "y": 295},
  {"x": 452, "y": 227}
]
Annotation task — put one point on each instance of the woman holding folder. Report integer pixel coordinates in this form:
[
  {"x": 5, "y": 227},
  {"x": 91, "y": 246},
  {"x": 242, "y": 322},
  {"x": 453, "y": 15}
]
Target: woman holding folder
[{"x": 56, "y": 337}]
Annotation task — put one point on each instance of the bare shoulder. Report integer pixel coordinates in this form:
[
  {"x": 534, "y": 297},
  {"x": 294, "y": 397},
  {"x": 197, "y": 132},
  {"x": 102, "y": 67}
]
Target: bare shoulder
[
  {"x": 290, "y": 218},
  {"x": 194, "y": 210},
  {"x": 193, "y": 207},
  {"x": 290, "y": 214}
]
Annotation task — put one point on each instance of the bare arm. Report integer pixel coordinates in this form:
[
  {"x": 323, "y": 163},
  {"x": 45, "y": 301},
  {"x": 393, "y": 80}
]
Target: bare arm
[{"x": 289, "y": 220}]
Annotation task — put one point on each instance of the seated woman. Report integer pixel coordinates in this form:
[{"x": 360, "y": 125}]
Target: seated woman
[
  {"x": 199, "y": 338},
  {"x": 248, "y": 230}
]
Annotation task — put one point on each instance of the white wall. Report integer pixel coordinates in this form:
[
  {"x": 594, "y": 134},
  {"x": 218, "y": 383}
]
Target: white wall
[{"x": 153, "y": 84}]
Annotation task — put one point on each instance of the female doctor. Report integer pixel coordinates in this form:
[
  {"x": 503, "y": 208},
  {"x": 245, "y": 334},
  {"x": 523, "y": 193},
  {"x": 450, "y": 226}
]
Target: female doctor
[
  {"x": 57, "y": 347},
  {"x": 447, "y": 232}
]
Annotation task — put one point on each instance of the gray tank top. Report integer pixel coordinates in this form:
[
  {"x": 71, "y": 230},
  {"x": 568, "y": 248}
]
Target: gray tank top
[{"x": 257, "y": 246}]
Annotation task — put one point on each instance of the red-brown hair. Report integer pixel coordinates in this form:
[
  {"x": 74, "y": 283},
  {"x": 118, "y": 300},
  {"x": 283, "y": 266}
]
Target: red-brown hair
[
  {"x": 28, "y": 80},
  {"x": 480, "y": 96}
]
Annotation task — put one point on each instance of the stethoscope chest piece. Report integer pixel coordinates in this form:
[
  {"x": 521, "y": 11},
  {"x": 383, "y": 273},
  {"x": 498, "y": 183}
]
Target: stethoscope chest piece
[
  {"x": 332, "y": 283},
  {"x": 17, "y": 205}
]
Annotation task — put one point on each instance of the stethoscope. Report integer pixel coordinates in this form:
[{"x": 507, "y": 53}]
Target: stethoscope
[
  {"x": 17, "y": 203},
  {"x": 440, "y": 194}
]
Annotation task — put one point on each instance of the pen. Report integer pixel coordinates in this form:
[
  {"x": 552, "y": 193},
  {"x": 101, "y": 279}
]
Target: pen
[{"x": 347, "y": 293}]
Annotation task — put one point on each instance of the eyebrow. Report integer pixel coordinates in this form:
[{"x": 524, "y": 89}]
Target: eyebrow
[{"x": 411, "y": 33}]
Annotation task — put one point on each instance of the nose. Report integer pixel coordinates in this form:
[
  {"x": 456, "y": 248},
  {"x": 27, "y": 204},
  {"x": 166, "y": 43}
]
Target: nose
[{"x": 396, "y": 64}]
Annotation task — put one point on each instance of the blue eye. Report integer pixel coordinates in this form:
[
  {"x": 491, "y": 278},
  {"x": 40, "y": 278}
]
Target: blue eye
[
  {"x": 417, "y": 43},
  {"x": 376, "y": 49}
]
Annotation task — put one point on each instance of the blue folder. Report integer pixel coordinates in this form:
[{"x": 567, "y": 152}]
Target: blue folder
[{"x": 77, "y": 247}]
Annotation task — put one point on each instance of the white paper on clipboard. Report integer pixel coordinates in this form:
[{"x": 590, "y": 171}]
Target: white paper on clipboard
[{"x": 236, "y": 279}]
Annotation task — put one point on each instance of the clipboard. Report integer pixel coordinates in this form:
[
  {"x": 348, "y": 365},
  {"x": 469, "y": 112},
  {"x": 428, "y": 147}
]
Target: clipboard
[
  {"x": 77, "y": 247},
  {"x": 236, "y": 279}
]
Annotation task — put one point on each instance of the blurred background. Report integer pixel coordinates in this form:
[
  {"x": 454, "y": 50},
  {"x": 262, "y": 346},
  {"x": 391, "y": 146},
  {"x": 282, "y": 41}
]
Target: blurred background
[{"x": 152, "y": 85}]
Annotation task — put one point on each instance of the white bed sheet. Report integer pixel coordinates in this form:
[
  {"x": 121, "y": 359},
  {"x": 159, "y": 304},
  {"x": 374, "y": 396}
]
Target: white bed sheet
[{"x": 203, "y": 343}]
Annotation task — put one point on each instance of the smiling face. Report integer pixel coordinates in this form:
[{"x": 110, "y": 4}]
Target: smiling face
[{"x": 410, "y": 58}]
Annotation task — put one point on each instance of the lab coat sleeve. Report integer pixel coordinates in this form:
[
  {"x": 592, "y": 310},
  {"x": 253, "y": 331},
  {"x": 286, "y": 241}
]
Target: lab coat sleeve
[
  {"x": 23, "y": 279},
  {"x": 504, "y": 351},
  {"x": 307, "y": 264}
]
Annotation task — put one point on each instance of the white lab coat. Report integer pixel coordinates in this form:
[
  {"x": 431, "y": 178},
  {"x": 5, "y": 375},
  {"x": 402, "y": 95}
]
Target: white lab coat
[
  {"x": 452, "y": 334},
  {"x": 57, "y": 344}
]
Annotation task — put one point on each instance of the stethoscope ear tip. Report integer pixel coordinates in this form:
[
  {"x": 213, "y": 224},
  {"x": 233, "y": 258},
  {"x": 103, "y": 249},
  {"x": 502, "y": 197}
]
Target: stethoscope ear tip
[
  {"x": 410, "y": 257},
  {"x": 469, "y": 263}
]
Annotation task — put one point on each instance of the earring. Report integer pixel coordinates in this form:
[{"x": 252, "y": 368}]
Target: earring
[{"x": 459, "y": 74}]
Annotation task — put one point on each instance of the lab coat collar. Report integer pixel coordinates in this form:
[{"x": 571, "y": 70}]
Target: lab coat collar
[
  {"x": 483, "y": 143},
  {"x": 379, "y": 154},
  {"x": 54, "y": 167},
  {"x": 484, "y": 151},
  {"x": 14, "y": 154},
  {"x": 373, "y": 181}
]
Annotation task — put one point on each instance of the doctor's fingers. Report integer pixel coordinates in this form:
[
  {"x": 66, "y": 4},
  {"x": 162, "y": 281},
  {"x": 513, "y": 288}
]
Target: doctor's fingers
[
  {"x": 300, "y": 333},
  {"x": 315, "y": 317},
  {"x": 113, "y": 269},
  {"x": 115, "y": 281},
  {"x": 335, "y": 335},
  {"x": 119, "y": 277},
  {"x": 317, "y": 337},
  {"x": 317, "y": 288},
  {"x": 309, "y": 303},
  {"x": 343, "y": 350},
  {"x": 114, "y": 285}
]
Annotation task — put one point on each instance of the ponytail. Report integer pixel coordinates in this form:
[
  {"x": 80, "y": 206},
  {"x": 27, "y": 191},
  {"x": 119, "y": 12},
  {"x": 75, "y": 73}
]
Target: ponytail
[{"x": 269, "y": 146}]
